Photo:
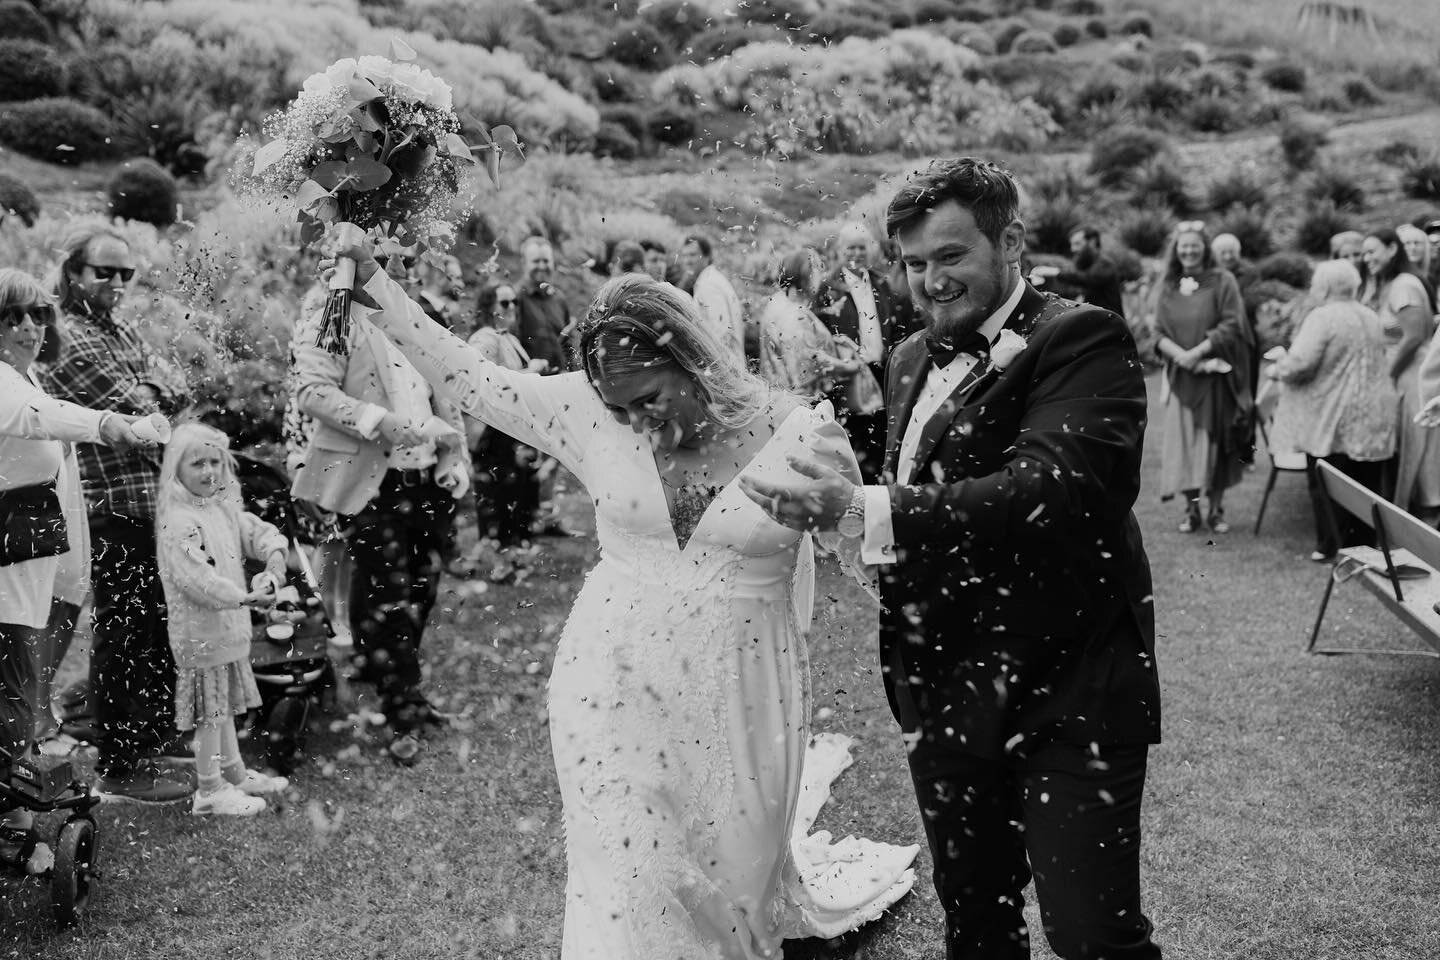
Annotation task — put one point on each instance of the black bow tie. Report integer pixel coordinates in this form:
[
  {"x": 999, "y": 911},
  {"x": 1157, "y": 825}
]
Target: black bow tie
[{"x": 943, "y": 351}]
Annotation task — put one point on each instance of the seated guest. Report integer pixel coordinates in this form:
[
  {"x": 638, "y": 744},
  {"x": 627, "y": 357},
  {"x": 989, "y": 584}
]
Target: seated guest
[{"x": 1338, "y": 404}]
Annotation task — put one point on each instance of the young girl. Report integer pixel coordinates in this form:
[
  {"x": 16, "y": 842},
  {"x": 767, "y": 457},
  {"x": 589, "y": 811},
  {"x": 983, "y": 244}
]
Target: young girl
[{"x": 204, "y": 534}]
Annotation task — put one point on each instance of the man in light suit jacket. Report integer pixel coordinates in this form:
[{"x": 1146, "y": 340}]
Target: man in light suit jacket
[
  {"x": 1017, "y": 636},
  {"x": 389, "y": 457}
]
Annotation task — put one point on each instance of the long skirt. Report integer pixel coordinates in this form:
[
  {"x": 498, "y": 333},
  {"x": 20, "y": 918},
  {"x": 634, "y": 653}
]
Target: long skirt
[
  {"x": 1417, "y": 469},
  {"x": 1187, "y": 454}
]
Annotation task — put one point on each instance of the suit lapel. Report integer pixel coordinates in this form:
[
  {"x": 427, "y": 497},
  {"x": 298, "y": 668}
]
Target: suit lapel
[{"x": 905, "y": 374}]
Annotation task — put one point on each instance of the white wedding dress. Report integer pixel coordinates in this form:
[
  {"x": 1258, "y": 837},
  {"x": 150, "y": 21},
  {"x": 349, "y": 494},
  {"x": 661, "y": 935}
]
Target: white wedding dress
[{"x": 679, "y": 698}]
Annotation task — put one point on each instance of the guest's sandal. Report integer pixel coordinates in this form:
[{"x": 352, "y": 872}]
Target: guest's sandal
[
  {"x": 1218, "y": 523},
  {"x": 1191, "y": 523}
]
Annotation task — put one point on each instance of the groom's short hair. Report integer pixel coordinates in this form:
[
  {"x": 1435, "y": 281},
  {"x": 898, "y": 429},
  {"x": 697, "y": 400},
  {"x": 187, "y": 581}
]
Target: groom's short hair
[{"x": 982, "y": 187}]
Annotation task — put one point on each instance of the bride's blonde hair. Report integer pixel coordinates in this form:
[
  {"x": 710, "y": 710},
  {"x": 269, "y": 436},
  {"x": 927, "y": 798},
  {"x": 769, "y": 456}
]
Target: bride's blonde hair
[{"x": 637, "y": 323}]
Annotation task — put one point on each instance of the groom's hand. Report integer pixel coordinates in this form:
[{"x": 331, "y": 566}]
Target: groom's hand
[{"x": 815, "y": 501}]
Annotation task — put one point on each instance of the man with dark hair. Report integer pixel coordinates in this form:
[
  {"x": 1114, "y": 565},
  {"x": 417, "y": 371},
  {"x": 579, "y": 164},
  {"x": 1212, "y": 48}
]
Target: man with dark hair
[
  {"x": 1096, "y": 277},
  {"x": 714, "y": 295},
  {"x": 105, "y": 366},
  {"x": 627, "y": 257},
  {"x": 1017, "y": 633},
  {"x": 657, "y": 260}
]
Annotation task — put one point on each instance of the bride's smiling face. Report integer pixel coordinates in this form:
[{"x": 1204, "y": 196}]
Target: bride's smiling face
[{"x": 661, "y": 402}]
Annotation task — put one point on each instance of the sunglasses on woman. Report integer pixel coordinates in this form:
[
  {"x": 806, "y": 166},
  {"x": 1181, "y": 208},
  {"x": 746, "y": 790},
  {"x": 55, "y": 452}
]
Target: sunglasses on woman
[
  {"x": 505, "y": 303},
  {"x": 109, "y": 273},
  {"x": 41, "y": 315}
]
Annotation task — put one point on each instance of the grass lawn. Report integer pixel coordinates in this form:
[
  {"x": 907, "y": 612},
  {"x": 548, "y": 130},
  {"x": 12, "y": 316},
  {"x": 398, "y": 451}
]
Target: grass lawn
[{"x": 1292, "y": 810}]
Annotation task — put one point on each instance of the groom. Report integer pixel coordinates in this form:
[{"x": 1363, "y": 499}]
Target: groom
[{"x": 1017, "y": 638}]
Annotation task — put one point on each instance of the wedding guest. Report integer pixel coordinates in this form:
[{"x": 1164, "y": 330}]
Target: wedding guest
[
  {"x": 1349, "y": 245},
  {"x": 204, "y": 534},
  {"x": 1417, "y": 250},
  {"x": 507, "y": 492},
  {"x": 657, "y": 260},
  {"x": 1208, "y": 349},
  {"x": 714, "y": 295},
  {"x": 439, "y": 288},
  {"x": 855, "y": 302},
  {"x": 797, "y": 352},
  {"x": 104, "y": 365},
  {"x": 542, "y": 314},
  {"x": 1227, "y": 252},
  {"x": 627, "y": 257},
  {"x": 1338, "y": 404},
  {"x": 45, "y": 552},
  {"x": 1432, "y": 235},
  {"x": 389, "y": 458},
  {"x": 1095, "y": 274},
  {"x": 1396, "y": 292}
]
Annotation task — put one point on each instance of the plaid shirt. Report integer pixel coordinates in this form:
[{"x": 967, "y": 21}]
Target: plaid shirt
[{"x": 103, "y": 366}]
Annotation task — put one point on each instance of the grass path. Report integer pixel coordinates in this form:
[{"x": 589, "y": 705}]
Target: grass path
[{"x": 1292, "y": 811}]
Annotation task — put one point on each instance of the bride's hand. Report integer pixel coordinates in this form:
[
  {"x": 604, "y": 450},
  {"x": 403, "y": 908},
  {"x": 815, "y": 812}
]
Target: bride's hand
[{"x": 816, "y": 502}]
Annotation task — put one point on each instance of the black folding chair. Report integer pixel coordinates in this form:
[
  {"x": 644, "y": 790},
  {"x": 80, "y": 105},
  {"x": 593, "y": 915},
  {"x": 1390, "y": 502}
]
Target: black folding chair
[{"x": 1283, "y": 463}]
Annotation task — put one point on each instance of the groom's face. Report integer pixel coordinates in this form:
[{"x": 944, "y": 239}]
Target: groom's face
[{"x": 957, "y": 275}]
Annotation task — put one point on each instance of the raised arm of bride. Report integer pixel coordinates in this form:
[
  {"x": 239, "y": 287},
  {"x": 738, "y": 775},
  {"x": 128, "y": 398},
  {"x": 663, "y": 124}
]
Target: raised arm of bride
[{"x": 556, "y": 415}]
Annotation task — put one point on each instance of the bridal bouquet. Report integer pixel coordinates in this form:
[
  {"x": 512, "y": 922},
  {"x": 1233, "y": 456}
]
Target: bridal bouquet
[{"x": 370, "y": 150}]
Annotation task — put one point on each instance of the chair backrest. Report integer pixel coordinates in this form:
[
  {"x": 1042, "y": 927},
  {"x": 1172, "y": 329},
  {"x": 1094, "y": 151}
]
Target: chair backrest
[{"x": 1399, "y": 529}]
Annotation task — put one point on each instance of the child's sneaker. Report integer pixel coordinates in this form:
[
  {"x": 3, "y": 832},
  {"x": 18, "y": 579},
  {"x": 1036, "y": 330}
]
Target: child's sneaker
[
  {"x": 228, "y": 801},
  {"x": 258, "y": 784}
]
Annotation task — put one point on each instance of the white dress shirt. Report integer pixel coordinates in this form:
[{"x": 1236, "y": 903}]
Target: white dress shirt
[
  {"x": 862, "y": 293},
  {"x": 720, "y": 308},
  {"x": 878, "y": 545}
]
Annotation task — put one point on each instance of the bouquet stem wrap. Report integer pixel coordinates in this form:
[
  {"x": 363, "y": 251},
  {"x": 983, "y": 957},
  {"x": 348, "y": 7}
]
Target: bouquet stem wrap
[{"x": 334, "y": 332}]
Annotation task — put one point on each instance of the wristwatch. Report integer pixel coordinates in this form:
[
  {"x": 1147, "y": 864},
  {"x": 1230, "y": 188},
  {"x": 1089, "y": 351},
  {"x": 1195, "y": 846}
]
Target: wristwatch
[{"x": 852, "y": 521}]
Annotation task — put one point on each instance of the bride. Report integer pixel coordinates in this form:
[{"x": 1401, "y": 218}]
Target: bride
[{"x": 679, "y": 701}]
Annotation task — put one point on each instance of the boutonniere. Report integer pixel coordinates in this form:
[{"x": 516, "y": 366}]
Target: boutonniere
[
  {"x": 1006, "y": 348},
  {"x": 1188, "y": 285},
  {"x": 545, "y": 290}
]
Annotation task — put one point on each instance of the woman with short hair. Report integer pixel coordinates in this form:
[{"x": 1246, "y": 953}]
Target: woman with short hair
[{"x": 1338, "y": 404}]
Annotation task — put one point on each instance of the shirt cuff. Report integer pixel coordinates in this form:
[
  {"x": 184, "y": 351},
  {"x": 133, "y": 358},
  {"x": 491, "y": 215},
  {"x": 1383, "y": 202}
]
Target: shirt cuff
[
  {"x": 878, "y": 545},
  {"x": 368, "y": 421}
]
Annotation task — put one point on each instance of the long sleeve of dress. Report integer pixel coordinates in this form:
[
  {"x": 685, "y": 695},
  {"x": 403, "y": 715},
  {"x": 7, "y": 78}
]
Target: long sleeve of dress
[
  {"x": 259, "y": 539},
  {"x": 187, "y": 567},
  {"x": 1430, "y": 371},
  {"x": 1302, "y": 361},
  {"x": 27, "y": 411},
  {"x": 829, "y": 445},
  {"x": 553, "y": 414},
  {"x": 1230, "y": 338}
]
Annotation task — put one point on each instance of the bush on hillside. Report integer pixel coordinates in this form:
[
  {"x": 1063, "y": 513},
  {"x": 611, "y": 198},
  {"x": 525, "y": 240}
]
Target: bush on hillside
[
  {"x": 1097, "y": 29},
  {"x": 972, "y": 12},
  {"x": 1285, "y": 76},
  {"x": 1398, "y": 152},
  {"x": 1158, "y": 182},
  {"x": 1116, "y": 153},
  {"x": 1137, "y": 23},
  {"x": 1237, "y": 188},
  {"x": 1290, "y": 268},
  {"x": 1083, "y": 8},
  {"x": 1301, "y": 140},
  {"x": 723, "y": 39},
  {"x": 899, "y": 16},
  {"x": 1102, "y": 87},
  {"x": 1067, "y": 183},
  {"x": 1318, "y": 223},
  {"x": 1067, "y": 35},
  {"x": 1146, "y": 231},
  {"x": 1216, "y": 81},
  {"x": 1420, "y": 177},
  {"x": 495, "y": 23},
  {"x": 615, "y": 83},
  {"x": 1249, "y": 226},
  {"x": 788, "y": 14},
  {"x": 613, "y": 140},
  {"x": 834, "y": 27},
  {"x": 971, "y": 36},
  {"x": 627, "y": 116},
  {"x": 1049, "y": 224},
  {"x": 638, "y": 44},
  {"x": 1005, "y": 31},
  {"x": 1359, "y": 91},
  {"x": 1133, "y": 61},
  {"x": 1160, "y": 92},
  {"x": 1241, "y": 59},
  {"x": 143, "y": 190},
  {"x": 23, "y": 22},
  {"x": 17, "y": 199},
  {"x": 1212, "y": 114},
  {"x": 671, "y": 125},
  {"x": 57, "y": 129},
  {"x": 932, "y": 11},
  {"x": 29, "y": 70},
  {"x": 1338, "y": 186},
  {"x": 1034, "y": 41},
  {"x": 1401, "y": 75}
]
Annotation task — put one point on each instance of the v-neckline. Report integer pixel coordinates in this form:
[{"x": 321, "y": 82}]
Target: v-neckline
[{"x": 723, "y": 489}]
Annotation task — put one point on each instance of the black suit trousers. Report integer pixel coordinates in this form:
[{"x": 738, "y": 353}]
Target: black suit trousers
[{"x": 1068, "y": 814}]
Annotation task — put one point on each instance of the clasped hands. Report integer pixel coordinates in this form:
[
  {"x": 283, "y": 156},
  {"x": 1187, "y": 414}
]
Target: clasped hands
[
  {"x": 813, "y": 501},
  {"x": 265, "y": 586}
]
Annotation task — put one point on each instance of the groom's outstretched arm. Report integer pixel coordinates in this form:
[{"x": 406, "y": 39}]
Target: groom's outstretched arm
[{"x": 1075, "y": 460}]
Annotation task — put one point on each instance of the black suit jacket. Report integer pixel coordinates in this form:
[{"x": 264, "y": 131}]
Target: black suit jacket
[
  {"x": 836, "y": 309},
  {"x": 1019, "y": 610}
]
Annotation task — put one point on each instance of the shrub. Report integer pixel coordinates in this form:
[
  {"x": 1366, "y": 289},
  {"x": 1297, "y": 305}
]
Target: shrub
[
  {"x": 1285, "y": 76},
  {"x": 1097, "y": 29},
  {"x": 23, "y": 22},
  {"x": 29, "y": 70},
  {"x": 1292, "y": 269},
  {"x": 1067, "y": 35},
  {"x": 782, "y": 13},
  {"x": 671, "y": 125},
  {"x": 1301, "y": 140},
  {"x": 972, "y": 13},
  {"x": 1005, "y": 31},
  {"x": 615, "y": 83},
  {"x": 1399, "y": 76},
  {"x": 1160, "y": 92},
  {"x": 834, "y": 27},
  {"x": 1101, "y": 88},
  {"x": 1216, "y": 81},
  {"x": 56, "y": 129},
  {"x": 1213, "y": 114},
  {"x": 1238, "y": 188},
  {"x": 1249, "y": 226},
  {"x": 638, "y": 44},
  {"x": 1159, "y": 183},
  {"x": 1137, "y": 23},
  {"x": 1049, "y": 224},
  {"x": 1146, "y": 231},
  {"x": 678, "y": 19},
  {"x": 1117, "y": 152},
  {"x": 627, "y": 116},
  {"x": 1083, "y": 8},
  {"x": 1336, "y": 186},
  {"x": 724, "y": 39},
  {"x": 1360, "y": 91},
  {"x": 142, "y": 190},
  {"x": 1243, "y": 59},
  {"x": 970, "y": 36},
  {"x": 1068, "y": 183},
  {"x": 1398, "y": 152},
  {"x": 1420, "y": 177},
  {"x": 1317, "y": 224},
  {"x": 1033, "y": 41},
  {"x": 933, "y": 11},
  {"x": 17, "y": 199},
  {"x": 512, "y": 24},
  {"x": 1133, "y": 61},
  {"x": 613, "y": 140}
]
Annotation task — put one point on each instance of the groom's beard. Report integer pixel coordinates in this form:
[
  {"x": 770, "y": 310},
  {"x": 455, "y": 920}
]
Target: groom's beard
[{"x": 982, "y": 297}]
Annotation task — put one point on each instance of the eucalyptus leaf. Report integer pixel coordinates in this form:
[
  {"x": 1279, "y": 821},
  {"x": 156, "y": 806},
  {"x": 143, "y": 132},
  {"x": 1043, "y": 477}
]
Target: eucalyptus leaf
[
  {"x": 456, "y": 146},
  {"x": 401, "y": 51},
  {"x": 492, "y": 166},
  {"x": 309, "y": 194},
  {"x": 506, "y": 140},
  {"x": 311, "y": 230}
]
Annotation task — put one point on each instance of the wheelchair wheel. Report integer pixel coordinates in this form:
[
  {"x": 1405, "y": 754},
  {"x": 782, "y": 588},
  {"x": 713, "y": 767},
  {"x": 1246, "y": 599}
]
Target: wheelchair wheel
[
  {"x": 73, "y": 880},
  {"x": 285, "y": 734}
]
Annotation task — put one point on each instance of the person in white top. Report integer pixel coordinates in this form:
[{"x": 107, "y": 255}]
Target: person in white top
[{"x": 715, "y": 296}]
